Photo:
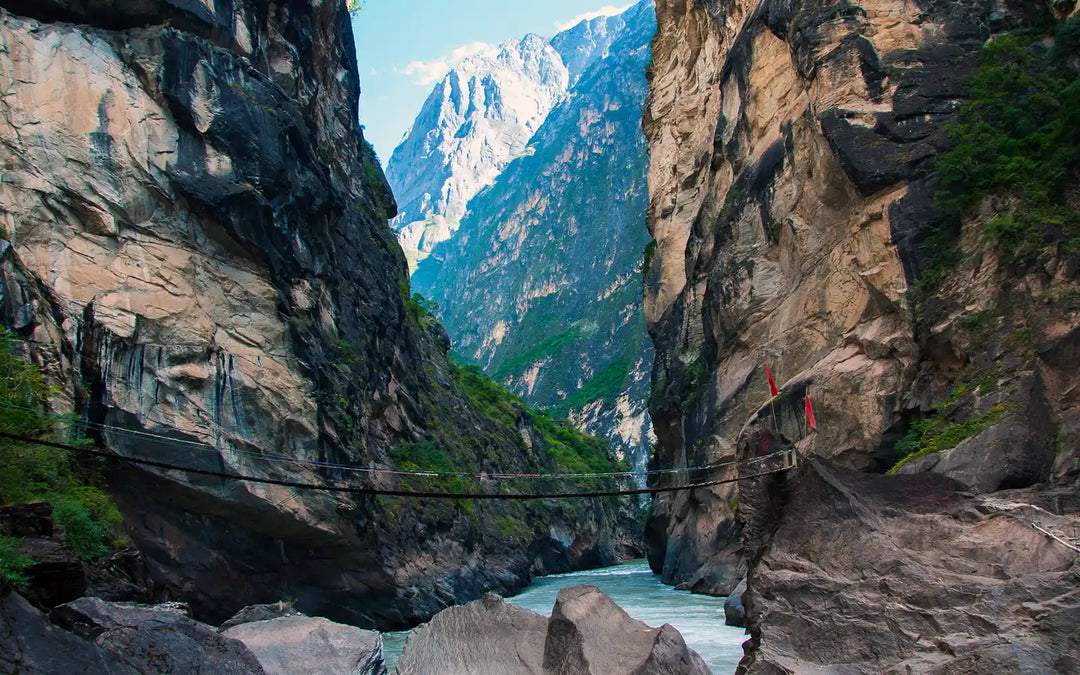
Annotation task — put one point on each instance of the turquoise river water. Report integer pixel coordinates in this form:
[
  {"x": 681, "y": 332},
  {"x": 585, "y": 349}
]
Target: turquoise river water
[{"x": 637, "y": 590}]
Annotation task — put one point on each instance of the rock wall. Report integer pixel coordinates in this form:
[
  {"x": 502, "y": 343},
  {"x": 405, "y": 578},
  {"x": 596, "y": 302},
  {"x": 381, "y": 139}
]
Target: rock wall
[
  {"x": 792, "y": 152},
  {"x": 198, "y": 249}
]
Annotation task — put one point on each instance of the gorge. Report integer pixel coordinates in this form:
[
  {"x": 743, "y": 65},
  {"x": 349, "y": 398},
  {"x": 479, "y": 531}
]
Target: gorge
[{"x": 877, "y": 203}]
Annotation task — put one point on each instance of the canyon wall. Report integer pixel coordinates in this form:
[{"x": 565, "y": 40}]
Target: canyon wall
[
  {"x": 793, "y": 168},
  {"x": 196, "y": 247}
]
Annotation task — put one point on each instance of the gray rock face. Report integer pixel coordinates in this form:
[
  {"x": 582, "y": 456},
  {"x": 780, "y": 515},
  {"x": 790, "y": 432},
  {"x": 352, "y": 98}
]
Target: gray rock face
[
  {"x": 587, "y": 634},
  {"x": 302, "y": 645},
  {"x": 485, "y": 637},
  {"x": 264, "y": 612},
  {"x": 30, "y": 645},
  {"x": 734, "y": 612},
  {"x": 159, "y": 639},
  {"x": 198, "y": 249},
  {"x": 918, "y": 578}
]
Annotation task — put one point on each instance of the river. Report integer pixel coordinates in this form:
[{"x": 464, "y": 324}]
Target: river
[{"x": 636, "y": 589}]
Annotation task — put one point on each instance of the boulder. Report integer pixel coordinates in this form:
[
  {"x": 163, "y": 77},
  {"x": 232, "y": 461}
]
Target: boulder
[
  {"x": 304, "y": 645},
  {"x": 251, "y": 613},
  {"x": 155, "y": 639},
  {"x": 121, "y": 576},
  {"x": 29, "y": 644},
  {"x": 587, "y": 633},
  {"x": 485, "y": 637},
  {"x": 734, "y": 613}
]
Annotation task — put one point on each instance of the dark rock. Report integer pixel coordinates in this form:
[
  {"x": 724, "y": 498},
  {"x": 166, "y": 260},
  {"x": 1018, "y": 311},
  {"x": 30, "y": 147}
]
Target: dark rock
[
  {"x": 30, "y": 645},
  {"x": 56, "y": 576},
  {"x": 121, "y": 576},
  {"x": 871, "y": 160},
  {"x": 27, "y": 520},
  {"x": 155, "y": 639},
  {"x": 302, "y": 645},
  {"x": 265, "y": 612},
  {"x": 587, "y": 634},
  {"x": 734, "y": 612}
]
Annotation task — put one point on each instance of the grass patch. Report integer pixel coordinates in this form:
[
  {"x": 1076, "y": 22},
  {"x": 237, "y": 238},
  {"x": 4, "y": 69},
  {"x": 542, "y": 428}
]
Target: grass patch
[
  {"x": 512, "y": 528},
  {"x": 936, "y": 434}
]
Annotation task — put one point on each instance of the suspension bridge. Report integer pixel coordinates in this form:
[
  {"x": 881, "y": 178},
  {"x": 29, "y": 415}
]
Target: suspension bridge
[{"x": 205, "y": 459}]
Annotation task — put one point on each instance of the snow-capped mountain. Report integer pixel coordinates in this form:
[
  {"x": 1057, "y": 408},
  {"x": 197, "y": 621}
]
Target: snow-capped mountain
[
  {"x": 540, "y": 284},
  {"x": 478, "y": 119}
]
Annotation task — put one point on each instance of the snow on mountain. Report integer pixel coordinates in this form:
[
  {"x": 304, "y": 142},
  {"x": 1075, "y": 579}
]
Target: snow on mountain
[{"x": 478, "y": 119}]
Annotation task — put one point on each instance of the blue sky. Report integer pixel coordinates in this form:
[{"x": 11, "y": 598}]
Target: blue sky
[{"x": 405, "y": 46}]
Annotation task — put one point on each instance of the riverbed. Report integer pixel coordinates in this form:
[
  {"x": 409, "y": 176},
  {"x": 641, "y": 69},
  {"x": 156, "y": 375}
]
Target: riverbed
[{"x": 636, "y": 589}]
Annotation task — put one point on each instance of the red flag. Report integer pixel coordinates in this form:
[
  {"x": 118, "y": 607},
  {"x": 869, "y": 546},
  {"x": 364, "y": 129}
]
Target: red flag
[
  {"x": 772, "y": 385},
  {"x": 810, "y": 413}
]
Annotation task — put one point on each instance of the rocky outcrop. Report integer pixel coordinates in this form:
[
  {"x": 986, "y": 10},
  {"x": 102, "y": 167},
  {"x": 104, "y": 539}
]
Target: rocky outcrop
[
  {"x": 791, "y": 200},
  {"x": 541, "y": 284},
  {"x": 90, "y": 635},
  {"x": 476, "y": 120},
  {"x": 196, "y": 245},
  {"x": 29, "y": 644},
  {"x": 907, "y": 575},
  {"x": 300, "y": 645},
  {"x": 153, "y": 639},
  {"x": 587, "y": 633},
  {"x": 793, "y": 147}
]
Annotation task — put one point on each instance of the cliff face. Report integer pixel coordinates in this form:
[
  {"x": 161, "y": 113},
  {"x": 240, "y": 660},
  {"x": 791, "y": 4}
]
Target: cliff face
[
  {"x": 793, "y": 147},
  {"x": 199, "y": 250},
  {"x": 541, "y": 285}
]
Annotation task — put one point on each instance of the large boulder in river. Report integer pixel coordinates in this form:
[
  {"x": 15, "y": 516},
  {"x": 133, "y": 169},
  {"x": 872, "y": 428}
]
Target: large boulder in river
[
  {"x": 587, "y": 633},
  {"x": 305, "y": 645},
  {"x": 734, "y": 612}
]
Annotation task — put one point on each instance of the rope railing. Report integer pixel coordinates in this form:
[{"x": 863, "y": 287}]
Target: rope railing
[{"x": 421, "y": 483}]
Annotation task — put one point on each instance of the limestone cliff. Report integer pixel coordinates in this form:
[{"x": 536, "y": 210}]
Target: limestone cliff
[
  {"x": 198, "y": 249},
  {"x": 793, "y": 147}
]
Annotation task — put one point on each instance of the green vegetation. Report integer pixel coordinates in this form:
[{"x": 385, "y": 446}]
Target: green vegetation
[
  {"x": 420, "y": 310},
  {"x": 12, "y": 563},
  {"x": 490, "y": 397},
  {"x": 936, "y": 434},
  {"x": 546, "y": 348},
  {"x": 605, "y": 385},
  {"x": 512, "y": 528},
  {"x": 573, "y": 450},
  {"x": 1018, "y": 135},
  {"x": 647, "y": 258},
  {"x": 428, "y": 456},
  {"x": 30, "y": 472}
]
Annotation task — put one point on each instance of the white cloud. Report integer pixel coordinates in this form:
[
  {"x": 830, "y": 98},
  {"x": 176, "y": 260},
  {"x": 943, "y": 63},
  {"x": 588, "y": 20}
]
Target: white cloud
[
  {"x": 606, "y": 10},
  {"x": 426, "y": 73}
]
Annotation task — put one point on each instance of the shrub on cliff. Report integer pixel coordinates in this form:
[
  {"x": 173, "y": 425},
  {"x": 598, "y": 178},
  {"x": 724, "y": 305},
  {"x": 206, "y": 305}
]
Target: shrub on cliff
[
  {"x": 31, "y": 472},
  {"x": 1019, "y": 135}
]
